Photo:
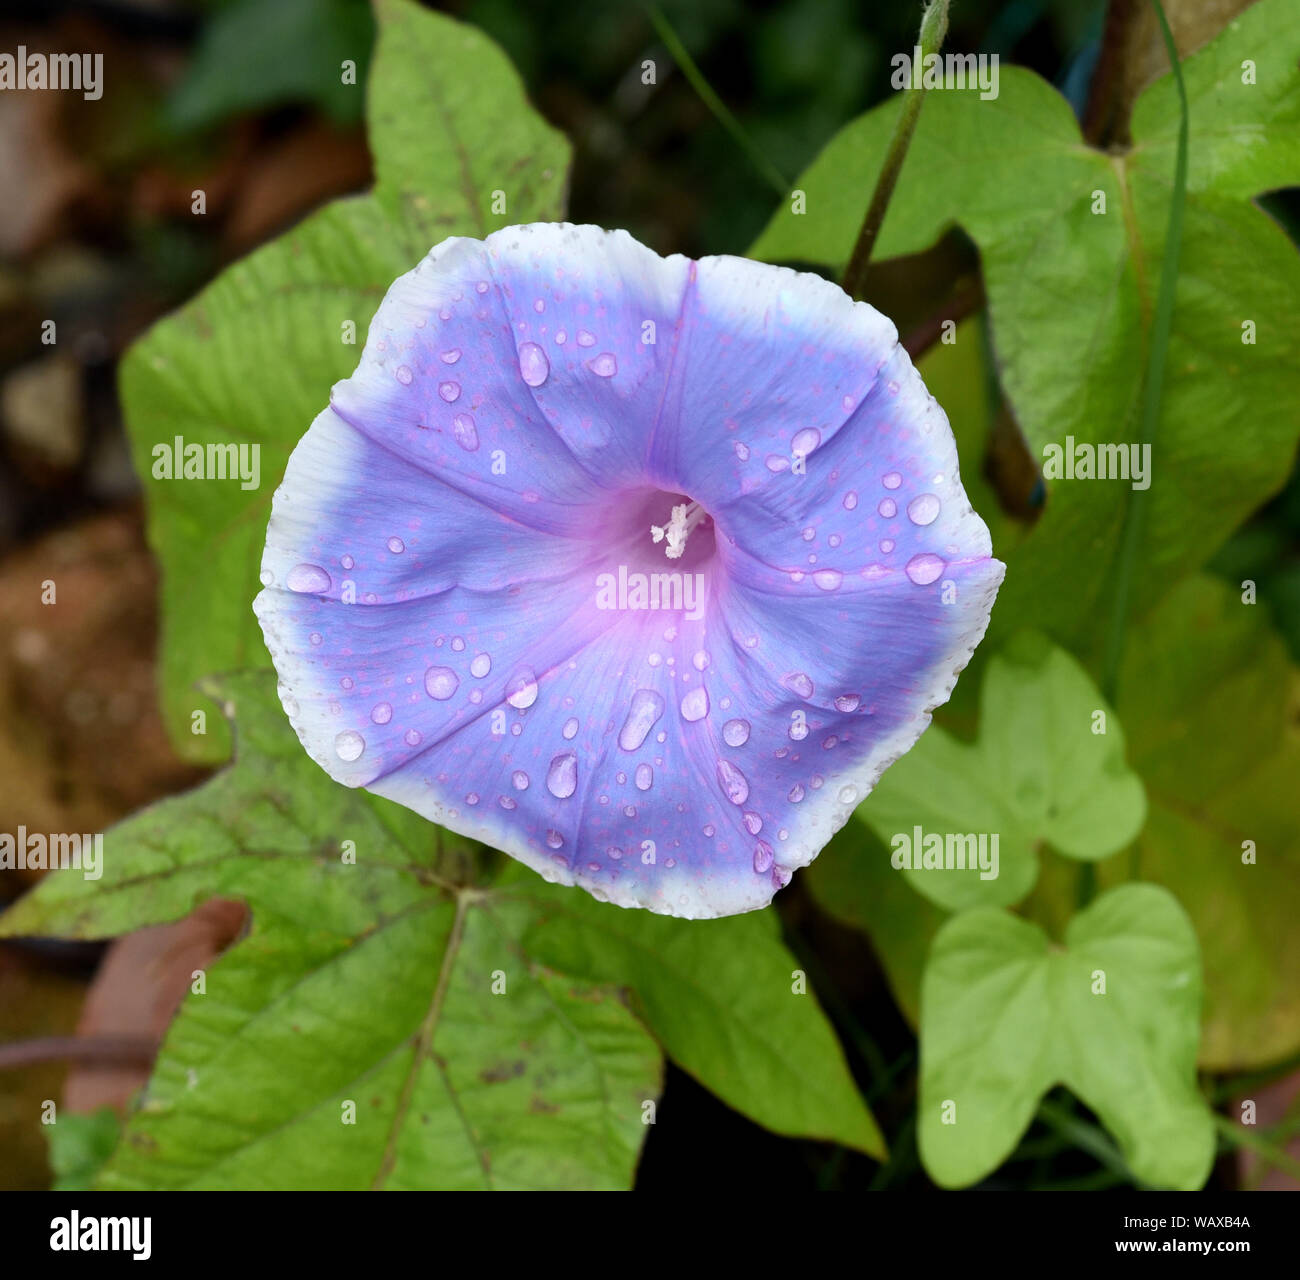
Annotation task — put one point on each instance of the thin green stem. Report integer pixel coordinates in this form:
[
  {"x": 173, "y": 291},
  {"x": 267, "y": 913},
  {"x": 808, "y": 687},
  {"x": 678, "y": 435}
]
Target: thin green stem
[
  {"x": 1135, "y": 518},
  {"x": 934, "y": 26},
  {"x": 722, "y": 114},
  {"x": 1261, "y": 1146}
]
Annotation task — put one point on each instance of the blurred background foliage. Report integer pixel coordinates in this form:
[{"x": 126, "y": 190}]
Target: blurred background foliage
[{"x": 241, "y": 98}]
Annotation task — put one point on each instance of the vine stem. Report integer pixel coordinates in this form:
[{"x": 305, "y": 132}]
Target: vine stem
[
  {"x": 934, "y": 26},
  {"x": 1136, "y": 511},
  {"x": 101, "y": 1051}
]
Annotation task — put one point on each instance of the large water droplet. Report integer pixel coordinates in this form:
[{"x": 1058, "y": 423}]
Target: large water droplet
[
  {"x": 923, "y": 509},
  {"x": 521, "y": 689},
  {"x": 441, "y": 683},
  {"x": 465, "y": 432},
  {"x": 888, "y": 508},
  {"x": 847, "y": 702},
  {"x": 695, "y": 704},
  {"x": 763, "y": 857},
  {"x": 643, "y": 713},
  {"x": 828, "y": 579},
  {"x": 733, "y": 782},
  {"x": 753, "y": 823},
  {"x": 925, "y": 568},
  {"x": 805, "y": 441},
  {"x": 735, "y": 733},
  {"x": 349, "y": 745},
  {"x": 891, "y": 480},
  {"x": 307, "y": 577},
  {"x": 604, "y": 365},
  {"x": 562, "y": 776},
  {"x": 644, "y": 777},
  {"x": 800, "y": 683},
  {"x": 534, "y": 367},
  {"x": 480, "y": 666},
  {"x": 449, "y": 391}
]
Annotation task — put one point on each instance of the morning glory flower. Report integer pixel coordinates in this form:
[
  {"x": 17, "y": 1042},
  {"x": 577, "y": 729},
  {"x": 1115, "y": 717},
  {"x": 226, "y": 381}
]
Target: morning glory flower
[{"x": 640, "y": 569}]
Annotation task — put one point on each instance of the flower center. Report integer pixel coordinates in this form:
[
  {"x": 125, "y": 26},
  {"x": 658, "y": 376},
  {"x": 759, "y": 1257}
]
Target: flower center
[{"x": 684, "y": 518}]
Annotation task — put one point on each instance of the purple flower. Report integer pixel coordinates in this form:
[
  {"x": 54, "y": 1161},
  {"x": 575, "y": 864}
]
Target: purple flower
[{"x": 638, "y": 568}]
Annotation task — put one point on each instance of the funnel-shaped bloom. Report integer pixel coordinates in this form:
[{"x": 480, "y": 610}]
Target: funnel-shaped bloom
[{"x": 638, "y": 568}]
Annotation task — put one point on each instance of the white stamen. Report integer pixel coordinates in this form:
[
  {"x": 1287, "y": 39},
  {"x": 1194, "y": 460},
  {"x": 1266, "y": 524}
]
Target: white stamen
[{"x": 684, "y": 518}]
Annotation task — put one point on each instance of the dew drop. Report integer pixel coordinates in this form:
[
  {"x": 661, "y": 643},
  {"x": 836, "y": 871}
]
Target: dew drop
[
  {"x": 519, "y": 780},
  {"x": 891, "y": 480},
  {"x": 800, "y": 683},
  {"x": 266, "y": 577},
  {"x": 450, "y": 357},
  {"x": 644, "y": 777},
  {"x": 411, "y": 737},
  {"x": 776, "y": 462},
  {"x": 828, "y": 579},
  {"x": 521, "y": 689},
  {"x": 570, "y": 729},
  {"x": 404, "y": 375},
  {"x": 742, "y": 450},
  {"x": 480, "y": 666},
  {"x": 753, "y": 823},
  {"x": 396, "y": 546},
  {"x": 449, "y": 391},
  {"x": 382, "y": 712},
  {"x": 349, "y": 745},
  {"x": 805, "y": 441},
  {"x": 700, "y": 660},
  {"x": 923, "y": 509},
  {"x": 733, "y": 782},
  {"x": 850, "y": 500},
  {"x": 762, "y": 857},
  {"x": 347, "y": 562},
  {"x": 848, "y": 795},
  {"x": 441, "y": 683},
  {"x": 307, "y": 577},
  {"x": 925, "y": 568},
  {"x": 797, "y": 793},
  {"x": 465, "y": 432},
  {"x": 534, "y": 367},
  {"x": 586, "y": 339},
  {"x": 643, "y": 714},
  {"x": 735, "y": 733},
  {"x": 604, "y": 365},
  {"x": 888, "y": 508},
  {"x": 554, "y": 839},
  {"x": 695, "y": 705},
  {"x": 848, "y": 702},
  {"x": 562, "y": 776}
]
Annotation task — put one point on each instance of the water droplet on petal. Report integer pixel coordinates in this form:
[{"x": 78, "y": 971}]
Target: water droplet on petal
[
  {"x": 480, "y": 666},
  {"x": 891, "y": 480},
  {"x": 695, "y": 705},
  {"x": 776, "y": 462},
  {"x": 411, "y": 737},
  {"x": 441, "y": 683},
  {"x": 848, "y": 795},
  {"x": 753, "y": 823},
  {"x": 404, "y": 375},
  {"x": 923, "y": 509},
  {"x": 266, "y": 577},
  {"x": 570, "y": 729},
  {"x": 733, "y": 781},
  {"x": 645, "y": 777},
  {"x": 307, "y": 577},
  {"x": 700, "y": 660},
  {"x": 925, "y": 568},
  {"x": 847, "y": 702},
  {"x": 850, "y": 500},
  {"x": 604, "y": 365},
  {"x": 828, "y": 579},
  {"x": 742, "y": 451},
  {"x": 643, "y": 713},
  {"x": 349, "y": 745},
  {"x": 449, "y": 391},
  {"x": 763, "y": 857},
  {"x": 888, "y": 508},
  {"x": 521, "y": 689},
  {"x": 347, "y": 562},
  {"x": 805, "y": 441},
  {"x": 465, "y": 432},
  {"x": 586, "y": 339},
  {"x": 554, "y": 839},
  {"x": 800, "y": 683},
  {"x": 450, "y": 357},
  {"x": 534, "y": 367},
  {"x": 797, "y": 793},
  {"x": 382, "y": 712},
  {"x": 735, "y": 733},
  {"x": 519, "y": 780},
  {"x": 562, "y": 776},
  {"x": 396, "y": 546}
]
